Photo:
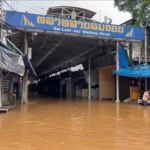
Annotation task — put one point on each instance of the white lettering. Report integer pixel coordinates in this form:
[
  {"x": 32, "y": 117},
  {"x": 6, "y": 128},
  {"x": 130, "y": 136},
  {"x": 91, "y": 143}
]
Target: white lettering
[
  {"x": 90, "y": 32},
  {"x": 57, "y": 29},
  {"x": 104, "y": 34},
  {"x": 76, "y": 31},
  {"x": 66, "y": 30}
]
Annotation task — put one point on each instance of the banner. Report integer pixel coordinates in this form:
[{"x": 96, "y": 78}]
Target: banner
[
  {"x": 49, "y": 23},
  {"x": 123, "y": 58}
]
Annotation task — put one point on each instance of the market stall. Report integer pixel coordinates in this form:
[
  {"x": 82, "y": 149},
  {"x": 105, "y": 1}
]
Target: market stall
[{"x": 9, "y": 62}]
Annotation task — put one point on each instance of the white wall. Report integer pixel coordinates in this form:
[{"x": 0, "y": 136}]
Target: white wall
[{"x": 94, "y": 81}]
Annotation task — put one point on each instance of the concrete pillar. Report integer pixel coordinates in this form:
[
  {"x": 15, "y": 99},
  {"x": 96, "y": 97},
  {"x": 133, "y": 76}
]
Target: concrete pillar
[
  {"x": 70, "y": 83},
  {"x": 145, "y": 54},
  {"x": 60, "y": 84},
  {"x": 117, "y": 76},
  {"x": 24, "y": 99},
  {"x": 139, "y": 49},
  {"x": 89, "y": 78},
  {"x": 0, "y": 87}
]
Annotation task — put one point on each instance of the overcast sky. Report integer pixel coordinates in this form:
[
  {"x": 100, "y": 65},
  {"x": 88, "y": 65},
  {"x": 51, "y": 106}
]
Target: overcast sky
[{"x": 105, "y": 6}]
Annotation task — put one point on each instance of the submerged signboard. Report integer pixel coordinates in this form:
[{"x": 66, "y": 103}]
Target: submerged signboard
[{"x": 49, "y": 23}]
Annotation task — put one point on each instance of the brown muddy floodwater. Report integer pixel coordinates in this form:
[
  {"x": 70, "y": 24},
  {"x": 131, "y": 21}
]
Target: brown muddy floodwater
[{"x": 54, "y": 124}]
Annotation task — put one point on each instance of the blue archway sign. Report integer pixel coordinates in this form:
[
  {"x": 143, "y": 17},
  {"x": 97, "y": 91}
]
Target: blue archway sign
[{"x": 49, "y": 23}]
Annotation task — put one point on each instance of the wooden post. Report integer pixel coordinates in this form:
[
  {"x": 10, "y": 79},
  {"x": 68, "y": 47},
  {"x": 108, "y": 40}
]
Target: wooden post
[{"x": 24, "y": 99}]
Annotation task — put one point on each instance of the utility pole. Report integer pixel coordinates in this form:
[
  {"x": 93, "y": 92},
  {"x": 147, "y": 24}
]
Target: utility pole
[
  {"x": 1, "y": 10},
  {"x": 1, "y": 38}
]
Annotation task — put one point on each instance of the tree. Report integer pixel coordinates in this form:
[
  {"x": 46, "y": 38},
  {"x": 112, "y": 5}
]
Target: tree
[{"x": 139, "y": 9}]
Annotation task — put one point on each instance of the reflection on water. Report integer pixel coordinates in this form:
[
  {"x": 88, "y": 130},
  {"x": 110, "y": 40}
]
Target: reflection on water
[{"x": 56, "y": 124}]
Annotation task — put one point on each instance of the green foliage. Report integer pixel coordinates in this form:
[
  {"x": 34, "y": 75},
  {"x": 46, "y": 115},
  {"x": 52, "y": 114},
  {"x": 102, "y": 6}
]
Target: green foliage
[{"x": 139, "y": 9}]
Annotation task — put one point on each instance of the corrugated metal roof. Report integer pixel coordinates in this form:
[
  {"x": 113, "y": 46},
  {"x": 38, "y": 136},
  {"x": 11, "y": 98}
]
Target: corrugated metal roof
[{"x": 52, "y": 52}]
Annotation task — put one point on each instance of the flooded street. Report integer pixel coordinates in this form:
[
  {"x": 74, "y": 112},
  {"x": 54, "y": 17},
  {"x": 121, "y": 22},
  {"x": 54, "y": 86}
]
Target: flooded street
[{"x": 54, "y": 124}]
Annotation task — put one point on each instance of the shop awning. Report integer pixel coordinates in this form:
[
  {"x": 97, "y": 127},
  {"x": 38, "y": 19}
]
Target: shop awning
[
  {"x": 142, "y": 70},
  {"x": 27, "y": 62},
  {"x": 11, "y": 62}
]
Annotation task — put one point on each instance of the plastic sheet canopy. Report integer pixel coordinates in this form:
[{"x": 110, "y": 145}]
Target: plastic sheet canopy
[
  {"x": 11, "y": 62},
  {"x": 138, "y": 71}
]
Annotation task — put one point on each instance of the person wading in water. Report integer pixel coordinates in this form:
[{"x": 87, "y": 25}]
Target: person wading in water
[{"x": 145, "y": 98}]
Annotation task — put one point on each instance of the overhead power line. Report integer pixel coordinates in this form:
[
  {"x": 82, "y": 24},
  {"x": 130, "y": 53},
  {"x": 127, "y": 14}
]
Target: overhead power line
[
  {"x": 29, "y": 7},
  {"x": 9, "y": 5},
  {"x": 37, "y": 6},
  {"x": 25, "y": 6}
]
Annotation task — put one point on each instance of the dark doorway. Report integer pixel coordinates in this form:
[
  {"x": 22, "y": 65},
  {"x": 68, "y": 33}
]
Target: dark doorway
[
  {"x": 64, "y": 90},
  {"x": 16, "y": 89}
]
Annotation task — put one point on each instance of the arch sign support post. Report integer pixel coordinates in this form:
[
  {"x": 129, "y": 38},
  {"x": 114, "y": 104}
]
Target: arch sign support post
[{"x": 117, "y": 76}]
